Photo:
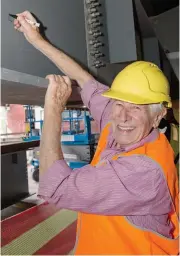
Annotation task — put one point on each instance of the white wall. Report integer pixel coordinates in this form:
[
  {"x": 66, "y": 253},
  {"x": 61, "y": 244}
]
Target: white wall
[
  {"x": 3, "y": 120},
  {"x": 39, "y": 115}
]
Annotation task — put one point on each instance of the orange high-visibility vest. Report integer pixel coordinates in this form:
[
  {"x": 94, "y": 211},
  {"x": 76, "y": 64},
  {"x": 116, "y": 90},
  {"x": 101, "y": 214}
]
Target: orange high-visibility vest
[{"x": 112, "y": 235}]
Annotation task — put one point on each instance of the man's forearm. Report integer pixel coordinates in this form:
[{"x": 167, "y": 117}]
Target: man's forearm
[
  {"x": 65, "y": 63},
  {"x": 50, "y": 147}
]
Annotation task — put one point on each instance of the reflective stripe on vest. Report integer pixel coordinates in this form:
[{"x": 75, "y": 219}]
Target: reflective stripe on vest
[{"x": 115, "y": 234}]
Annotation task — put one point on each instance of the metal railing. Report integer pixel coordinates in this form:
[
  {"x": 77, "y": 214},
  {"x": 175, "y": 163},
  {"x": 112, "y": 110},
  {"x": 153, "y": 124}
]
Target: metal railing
[{"x": 7, "y": 138}]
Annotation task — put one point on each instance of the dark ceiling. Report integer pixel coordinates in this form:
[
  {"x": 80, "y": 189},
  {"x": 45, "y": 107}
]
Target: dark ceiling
[{"x": 156, "y": 7}]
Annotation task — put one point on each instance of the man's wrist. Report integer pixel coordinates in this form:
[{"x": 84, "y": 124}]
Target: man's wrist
[
  {"x": 39, "y": 43},
  {"x": 52, "y": 108},
  {"x": 52, "y": 121}
]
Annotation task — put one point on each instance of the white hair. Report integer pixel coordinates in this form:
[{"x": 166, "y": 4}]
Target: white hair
[{"x": 156, "y": 108}]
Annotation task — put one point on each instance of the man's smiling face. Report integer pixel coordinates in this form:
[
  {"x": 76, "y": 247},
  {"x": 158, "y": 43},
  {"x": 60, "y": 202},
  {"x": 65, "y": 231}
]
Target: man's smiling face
[{"x": 131, "y": 122}]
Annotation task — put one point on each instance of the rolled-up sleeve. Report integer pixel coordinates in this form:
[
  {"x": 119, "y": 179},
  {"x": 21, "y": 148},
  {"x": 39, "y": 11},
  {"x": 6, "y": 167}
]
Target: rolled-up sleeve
[
  {"x": 99, "y": 106},
  {"x": 132, "y": 185}
]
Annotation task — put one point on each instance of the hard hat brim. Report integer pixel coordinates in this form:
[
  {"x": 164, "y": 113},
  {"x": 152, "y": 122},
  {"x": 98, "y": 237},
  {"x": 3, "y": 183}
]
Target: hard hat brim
[{"x": 131, "y": 98}]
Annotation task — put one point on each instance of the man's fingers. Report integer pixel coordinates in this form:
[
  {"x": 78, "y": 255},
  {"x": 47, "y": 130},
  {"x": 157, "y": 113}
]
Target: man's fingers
[
  {"x": 68, "y": 83},
  {"x": 17, "y": 25},
  {"x": 57, "y": 79},
  {"x": 19, "y": 28},
  {"x": 67, "y": 80},
  {"x": 24, "y": 23},
  {"x": 16, "y": 22},
  {"x": 51, "y": 78},
  {"x": 27, "y": 15},
  {"x": 59, "y": 90},
  {"x": 63, "y": 82},
  {"x": 60, "y": 80}
]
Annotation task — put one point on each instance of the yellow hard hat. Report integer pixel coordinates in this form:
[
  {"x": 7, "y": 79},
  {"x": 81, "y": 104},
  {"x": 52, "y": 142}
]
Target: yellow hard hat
[{"x": 141, "y": 82}]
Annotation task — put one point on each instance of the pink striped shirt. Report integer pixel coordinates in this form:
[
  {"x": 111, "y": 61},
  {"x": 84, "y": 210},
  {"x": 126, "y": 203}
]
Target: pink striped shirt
[{"x": 132, "y": 186}]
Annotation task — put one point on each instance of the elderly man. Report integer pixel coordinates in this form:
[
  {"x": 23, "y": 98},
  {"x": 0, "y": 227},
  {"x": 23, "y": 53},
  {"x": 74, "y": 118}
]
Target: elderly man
[{"x": 127, "y": 198}]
